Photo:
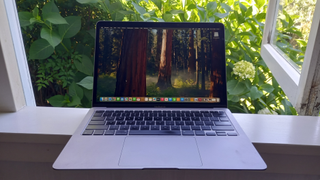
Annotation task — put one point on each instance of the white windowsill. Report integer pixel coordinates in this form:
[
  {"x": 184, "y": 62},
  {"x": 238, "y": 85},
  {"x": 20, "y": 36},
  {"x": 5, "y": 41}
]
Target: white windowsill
[{"x": 268, "y": 129}]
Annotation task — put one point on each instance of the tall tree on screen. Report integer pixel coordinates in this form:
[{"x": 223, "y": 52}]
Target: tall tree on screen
[
  {"x": 131, "y": 73},
  {"x": 191, "y": 56},
  {"x": 164, "y": 77},
  {"x": 217, "y": 64}
]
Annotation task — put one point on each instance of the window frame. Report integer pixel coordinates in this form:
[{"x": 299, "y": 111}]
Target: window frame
[
  {"x": 302, "y": 89},
  {"x": 14, "y": 50}
]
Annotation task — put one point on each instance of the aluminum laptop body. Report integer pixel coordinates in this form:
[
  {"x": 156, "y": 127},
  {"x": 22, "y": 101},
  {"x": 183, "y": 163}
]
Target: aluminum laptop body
[{"x": 159, "y": 101}]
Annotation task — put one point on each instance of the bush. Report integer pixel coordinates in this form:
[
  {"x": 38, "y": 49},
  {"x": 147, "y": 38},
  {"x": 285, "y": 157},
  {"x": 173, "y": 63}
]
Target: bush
[{"x": 243, "y": 22}]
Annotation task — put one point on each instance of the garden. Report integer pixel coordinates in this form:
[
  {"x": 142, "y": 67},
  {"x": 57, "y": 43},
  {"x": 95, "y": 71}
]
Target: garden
[{"x": 59, "y": 38}]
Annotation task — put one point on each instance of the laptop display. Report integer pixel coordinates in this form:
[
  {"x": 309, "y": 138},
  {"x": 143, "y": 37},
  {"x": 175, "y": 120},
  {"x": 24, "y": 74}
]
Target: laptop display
[{"x": 160, "y": 65}]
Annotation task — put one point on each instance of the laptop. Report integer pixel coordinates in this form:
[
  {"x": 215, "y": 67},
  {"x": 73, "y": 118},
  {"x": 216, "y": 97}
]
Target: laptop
[{"x": 159, "y": 102}]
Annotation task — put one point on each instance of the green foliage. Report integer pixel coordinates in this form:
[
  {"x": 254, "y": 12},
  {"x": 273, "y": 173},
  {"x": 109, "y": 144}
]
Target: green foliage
[
  {"x": 61, "y": 33},
  {"x": 62, "y": 76}
]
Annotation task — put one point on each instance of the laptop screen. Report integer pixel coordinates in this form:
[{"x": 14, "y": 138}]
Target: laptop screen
[{"x": 159, "y": 64}]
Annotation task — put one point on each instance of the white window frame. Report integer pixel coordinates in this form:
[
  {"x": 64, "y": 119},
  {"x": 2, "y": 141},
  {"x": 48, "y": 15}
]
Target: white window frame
[
  {"x": 303, "y": 90},
  {"x": 16, "y": 86}
]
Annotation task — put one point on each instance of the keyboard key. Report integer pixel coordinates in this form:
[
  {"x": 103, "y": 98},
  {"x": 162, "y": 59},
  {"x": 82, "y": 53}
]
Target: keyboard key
[
  {"x": 222, "y": 123},
  {"x": 175, "y": 127},
  {"x": 187, "y": 133},
  {"x": 214, "y": 119},
  {"x": 148, "y": 118},
  {"x": 134, "y": 127},
  {"x": 169, "y": 122},
  {"x": 155, "y": 127},
  {"x": 222, "y": 113},
  {"x": 189, "y": 123},
  {"x": 87, "y": 132},
  {"x": 129, "y": 118},
  {"x": 97, "y": 115},
  {"x": 122, "y": 132},
  {"x": 221, "y": 133},
  {"x": 158, "y": 118},
  {"x": 159, "y": 122},
  {"x": 119, "y": 118},
  {"x": 195, "y": 127},
  {"x": 110, "y": 118},
  {"x": 154, "y": 132},
  {"x": 204, "y": 118},
  {"x": 199, "y": 133},
  {"x": 198, "y": 115},
  {"x": 199, "y": 123},
  {"x": 130, "y": 122},
  {"x": 144, "y": 127},
  {"x": 114, "y": 127},
  {"x": 222, "y": 128},
  {"x": 109, "y": 132},
  {"x": 164, "y": 127},
  {"x": 167, "y": 118},
  {"x": 138, "y": 118},
  {"x": 110, "y": 122},
  {"x": 208, "y": 123},
  {"x": 140, "y": 123},
  {"x": 185, "y": 127},
  {"x": 185, "y": 118},
  {"x": 150, "y": 123},
  {"x": 195, "y": 118},
  {"x": 96, "y": 123},
  {"x": 98, "y": 132},
  {"x": 232, "y": 134},
  {"x": 211, "y": 133},
  {"x": 121, "y": 122},
  {"x": 207, "y": 115},
  {"x": 124, "y": 127},
  {"x": 97, "y": 127},
  {"x": 97, "y": 119},
  {"x": 224, "y": 118},
  {"x": 176, "y": 118},
  {"x": 181, "y": 123},
  {"x": 205, "y": 127}
]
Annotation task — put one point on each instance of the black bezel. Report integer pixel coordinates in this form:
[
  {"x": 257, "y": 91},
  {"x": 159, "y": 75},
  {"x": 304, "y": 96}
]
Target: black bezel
[{"x": 95, "y": 103}]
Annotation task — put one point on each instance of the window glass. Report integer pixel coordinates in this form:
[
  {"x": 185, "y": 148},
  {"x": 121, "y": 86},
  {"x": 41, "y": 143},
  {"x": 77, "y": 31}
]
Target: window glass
[{"x": 292, "y": 29}]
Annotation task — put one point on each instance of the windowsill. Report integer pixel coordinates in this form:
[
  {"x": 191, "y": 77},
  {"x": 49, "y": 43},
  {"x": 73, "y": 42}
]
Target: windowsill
[
  {"x": 265, "y": 129},
  {"x": 33, "y": 138}
]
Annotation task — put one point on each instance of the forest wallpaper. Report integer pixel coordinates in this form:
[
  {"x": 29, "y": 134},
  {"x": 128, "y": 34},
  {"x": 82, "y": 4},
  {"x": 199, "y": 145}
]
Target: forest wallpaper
[{"x": 160, "y": 63}]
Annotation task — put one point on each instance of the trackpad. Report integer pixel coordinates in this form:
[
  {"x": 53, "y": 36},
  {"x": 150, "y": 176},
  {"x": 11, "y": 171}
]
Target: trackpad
[{"x": 160, "y": 152}]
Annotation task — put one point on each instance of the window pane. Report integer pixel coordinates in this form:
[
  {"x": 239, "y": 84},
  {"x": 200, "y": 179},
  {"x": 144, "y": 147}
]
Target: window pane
[{"x": 293, "y": 28}]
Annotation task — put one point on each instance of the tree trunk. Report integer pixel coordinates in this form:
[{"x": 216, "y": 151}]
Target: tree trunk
[
  {"x": 159, "y": 43},
  {"x": 198, "y": 44},
  {"x": 164, "y": 77},
  {"x": 131, "y": 73},
  {"x": 191, "y": 58},
  {"x": 203, "y": 80},
  {"x": 217, "y": 64}
]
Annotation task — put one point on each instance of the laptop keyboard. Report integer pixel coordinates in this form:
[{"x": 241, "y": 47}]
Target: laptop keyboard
[{"x": 148, "y": 122}]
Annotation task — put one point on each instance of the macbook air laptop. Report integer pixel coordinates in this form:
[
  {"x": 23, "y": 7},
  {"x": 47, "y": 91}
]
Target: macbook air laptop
[{"x": 159, "y": 102}]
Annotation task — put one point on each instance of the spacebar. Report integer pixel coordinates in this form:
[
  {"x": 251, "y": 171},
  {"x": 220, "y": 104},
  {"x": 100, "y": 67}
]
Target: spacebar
[{"x": 154, "y": 132}]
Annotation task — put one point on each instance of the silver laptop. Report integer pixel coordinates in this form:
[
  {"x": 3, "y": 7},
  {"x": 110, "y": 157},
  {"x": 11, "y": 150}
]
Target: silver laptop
[{"x": 159, "y": 101}]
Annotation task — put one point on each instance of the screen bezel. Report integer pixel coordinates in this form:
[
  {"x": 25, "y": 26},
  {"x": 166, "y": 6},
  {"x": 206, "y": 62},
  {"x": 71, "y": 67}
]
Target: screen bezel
[{"x": 96, "y": 103}]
